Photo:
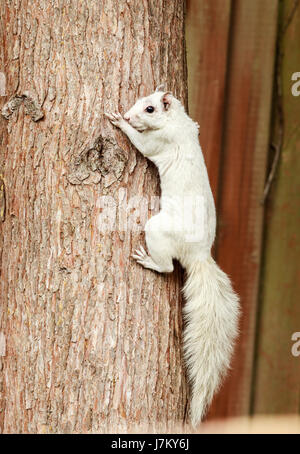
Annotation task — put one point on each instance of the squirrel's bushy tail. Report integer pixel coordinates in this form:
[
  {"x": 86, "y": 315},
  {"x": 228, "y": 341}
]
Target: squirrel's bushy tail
[{"x": 211, "y": 314}]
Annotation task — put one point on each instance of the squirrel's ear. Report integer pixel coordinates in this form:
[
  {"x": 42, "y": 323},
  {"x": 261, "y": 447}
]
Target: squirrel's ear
[
  {"x": 161, "y": 87},
  {"x": 167, "y": 99}
]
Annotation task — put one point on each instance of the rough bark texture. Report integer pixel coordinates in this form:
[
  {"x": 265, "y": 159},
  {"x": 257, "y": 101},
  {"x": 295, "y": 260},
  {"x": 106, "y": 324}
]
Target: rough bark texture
[{"x": 89, "y": 340}]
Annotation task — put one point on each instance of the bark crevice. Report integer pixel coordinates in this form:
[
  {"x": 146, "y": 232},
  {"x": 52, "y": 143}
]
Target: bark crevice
[
  {"x": 101, "y": 158},
  {"x": 32, "y": 107}
]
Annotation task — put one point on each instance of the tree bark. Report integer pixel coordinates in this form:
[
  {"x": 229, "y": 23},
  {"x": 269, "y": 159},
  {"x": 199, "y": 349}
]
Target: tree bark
[{"x": 89, "y": 340}]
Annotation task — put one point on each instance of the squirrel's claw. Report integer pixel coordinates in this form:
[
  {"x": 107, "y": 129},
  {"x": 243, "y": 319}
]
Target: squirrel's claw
[
  {"x": 114, "y": 118},
  {"x": 108, "y": 115},
  {"x": 140, "y": 254}
]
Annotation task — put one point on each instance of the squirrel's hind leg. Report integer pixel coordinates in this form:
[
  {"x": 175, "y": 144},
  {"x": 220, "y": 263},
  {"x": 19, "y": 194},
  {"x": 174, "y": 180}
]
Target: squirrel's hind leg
[
  {"x": 159, "y": 246},
  {"x": 146, "y": 261}
]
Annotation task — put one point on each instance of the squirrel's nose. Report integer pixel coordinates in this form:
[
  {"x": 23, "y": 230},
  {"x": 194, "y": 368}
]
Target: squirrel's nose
[{"x": 127, "y": 117}]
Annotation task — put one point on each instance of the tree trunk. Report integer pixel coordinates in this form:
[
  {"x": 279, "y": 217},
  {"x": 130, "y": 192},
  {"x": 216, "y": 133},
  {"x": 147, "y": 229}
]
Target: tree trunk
[{"x": 89, "y": 340}]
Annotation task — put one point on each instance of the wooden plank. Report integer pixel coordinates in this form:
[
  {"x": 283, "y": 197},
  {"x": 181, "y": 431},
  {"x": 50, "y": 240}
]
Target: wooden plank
[
  {"x": 207, "y": 27},
  {"x": 277, "y": 384},
  {"x": 245, "y": 148}
]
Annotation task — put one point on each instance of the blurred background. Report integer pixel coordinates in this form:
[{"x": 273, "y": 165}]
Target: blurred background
[{"x": 241, "y": 57}]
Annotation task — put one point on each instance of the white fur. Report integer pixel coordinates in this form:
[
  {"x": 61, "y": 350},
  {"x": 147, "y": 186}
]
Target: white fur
[{"x": 169, "y": 138}]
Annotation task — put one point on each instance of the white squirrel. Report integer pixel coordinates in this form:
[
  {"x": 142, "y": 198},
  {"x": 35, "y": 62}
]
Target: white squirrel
[{"x": 184, "y": 229}]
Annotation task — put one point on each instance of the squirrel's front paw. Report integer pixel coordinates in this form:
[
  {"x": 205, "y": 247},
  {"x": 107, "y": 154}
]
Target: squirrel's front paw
[{"x": 115, "y": 118}]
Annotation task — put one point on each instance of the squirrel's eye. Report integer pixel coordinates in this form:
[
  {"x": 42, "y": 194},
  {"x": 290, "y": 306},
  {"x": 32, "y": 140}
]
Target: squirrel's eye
[{"x": 149, "y": 109}]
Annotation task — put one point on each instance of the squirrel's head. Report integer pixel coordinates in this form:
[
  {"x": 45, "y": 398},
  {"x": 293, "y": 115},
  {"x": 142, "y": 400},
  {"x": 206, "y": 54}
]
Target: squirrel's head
[{"x": 151, "y": 112}]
